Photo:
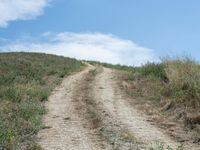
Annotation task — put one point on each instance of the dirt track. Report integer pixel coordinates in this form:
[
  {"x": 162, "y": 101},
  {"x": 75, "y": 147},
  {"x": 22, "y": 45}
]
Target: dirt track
[{"x": 89, "y": 112}]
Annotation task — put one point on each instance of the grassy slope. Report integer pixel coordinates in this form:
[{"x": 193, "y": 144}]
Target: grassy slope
[{"x": 26, "y": 80}]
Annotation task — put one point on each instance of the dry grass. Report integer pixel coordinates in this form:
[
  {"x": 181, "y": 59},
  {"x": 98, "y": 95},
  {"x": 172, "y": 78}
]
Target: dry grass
[
  {"x": 176, "y": 79},
  {"x": 184, "y": 80}
]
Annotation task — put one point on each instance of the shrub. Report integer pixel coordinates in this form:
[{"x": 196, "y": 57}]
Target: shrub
[
  {"x": 184, "y": 78},
  {"x": 154, "y": 70}
]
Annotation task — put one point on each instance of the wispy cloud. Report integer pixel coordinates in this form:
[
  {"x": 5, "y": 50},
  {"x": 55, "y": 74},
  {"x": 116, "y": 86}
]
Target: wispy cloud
[
  {"x": 12, "y": 10},
  {"x": 89, "y": 46}
]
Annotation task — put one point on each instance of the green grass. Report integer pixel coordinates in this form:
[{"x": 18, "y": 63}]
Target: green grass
[
  {"x": 155, "y": 70},
  {"x": 26, "y": 81}
]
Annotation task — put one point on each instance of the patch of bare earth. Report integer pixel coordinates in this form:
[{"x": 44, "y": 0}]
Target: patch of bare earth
[
  {"x": 99, "y": 110},
  {"x": 65, "y": 129}
]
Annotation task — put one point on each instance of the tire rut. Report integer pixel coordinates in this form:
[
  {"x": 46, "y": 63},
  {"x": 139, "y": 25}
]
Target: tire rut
[
  {"x": 107, "y": 128},
  {"x": 65, "y": 129}
]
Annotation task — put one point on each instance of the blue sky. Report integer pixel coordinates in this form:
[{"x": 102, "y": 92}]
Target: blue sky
[{"x": 144, "y": 30}]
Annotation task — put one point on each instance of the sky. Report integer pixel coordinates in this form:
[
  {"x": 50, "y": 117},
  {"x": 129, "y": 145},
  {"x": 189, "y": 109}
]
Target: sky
[{"x": 130, "y": 32}]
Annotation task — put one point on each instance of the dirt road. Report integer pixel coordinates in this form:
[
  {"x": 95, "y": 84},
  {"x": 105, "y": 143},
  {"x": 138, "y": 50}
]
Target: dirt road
[{"x": 89, "y": 112}]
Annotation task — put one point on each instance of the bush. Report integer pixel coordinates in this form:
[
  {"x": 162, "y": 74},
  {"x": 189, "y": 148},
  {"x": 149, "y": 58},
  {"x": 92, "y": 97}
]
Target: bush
[
  {"x": 177, "y": 78},
  {"x": 154, "y": 70},
  {"x": 184, "y": 79}
]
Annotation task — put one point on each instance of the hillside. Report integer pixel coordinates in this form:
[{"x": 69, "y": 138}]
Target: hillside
[
  {"x": 52, "y": 102},
  {"x": 26, "y": 81}
]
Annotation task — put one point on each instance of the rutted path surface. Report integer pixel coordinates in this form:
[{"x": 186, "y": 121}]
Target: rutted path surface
[
  {"x": 131, "y": 119},
  {"x": 89, "y": 112},
  {"x": 65, "y": 129}
]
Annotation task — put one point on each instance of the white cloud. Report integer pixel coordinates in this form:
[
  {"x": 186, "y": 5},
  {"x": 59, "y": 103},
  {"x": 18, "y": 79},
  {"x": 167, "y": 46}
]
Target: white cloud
[
  {"x": 90, "y": 46},
  {"x": 12, "y": 10}
]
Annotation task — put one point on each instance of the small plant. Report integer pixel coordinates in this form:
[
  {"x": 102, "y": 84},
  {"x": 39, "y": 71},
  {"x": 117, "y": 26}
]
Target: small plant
[{"x": 13, "y": 94}]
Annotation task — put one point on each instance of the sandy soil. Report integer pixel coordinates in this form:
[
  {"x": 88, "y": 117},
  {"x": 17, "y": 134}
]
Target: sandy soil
[
  {"x": 64, "y": 128},
  {"x": 89, "y": 112}
]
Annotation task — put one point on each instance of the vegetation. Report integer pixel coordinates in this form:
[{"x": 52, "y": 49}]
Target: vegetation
[
  {"x": 177, "y": 78},
  {"x": 170, "y": 88},
  {"x": 184, "y": 80},
  {"x": 154, "y": 70},
  {"x": 118, "y": 66},
  {"x": 26, "y": 81},
  {"x": 150, "y": 69}
]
